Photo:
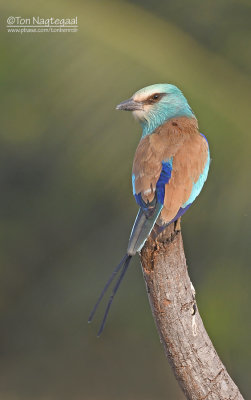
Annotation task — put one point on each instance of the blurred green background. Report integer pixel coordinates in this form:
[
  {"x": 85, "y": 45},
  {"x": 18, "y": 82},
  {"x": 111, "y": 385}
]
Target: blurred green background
[{"x": 66, "y": 204}]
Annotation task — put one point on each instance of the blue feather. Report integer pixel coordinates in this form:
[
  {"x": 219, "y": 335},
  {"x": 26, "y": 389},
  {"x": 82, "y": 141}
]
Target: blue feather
[
  {"x": 198, "y": 185},
  {"x": 164, "y": 178},
  {"x": 133, "y": 184}
]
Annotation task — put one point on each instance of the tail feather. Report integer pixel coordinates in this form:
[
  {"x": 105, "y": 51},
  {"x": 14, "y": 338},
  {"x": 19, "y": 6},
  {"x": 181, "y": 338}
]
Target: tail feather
[
  {"x": 108, "y": 283},
  {"x": 142, "y": 228},
  {"x": 126, "y": 265}
]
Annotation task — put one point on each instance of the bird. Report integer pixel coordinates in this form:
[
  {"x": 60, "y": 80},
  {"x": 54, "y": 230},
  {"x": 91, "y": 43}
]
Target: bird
[{"x": 170, "y": 167}]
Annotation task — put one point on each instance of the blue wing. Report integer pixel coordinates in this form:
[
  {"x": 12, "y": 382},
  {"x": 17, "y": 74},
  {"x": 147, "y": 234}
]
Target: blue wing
[
  {"x": 149, "y": 212},
  {"x": 164, "y": 178}
]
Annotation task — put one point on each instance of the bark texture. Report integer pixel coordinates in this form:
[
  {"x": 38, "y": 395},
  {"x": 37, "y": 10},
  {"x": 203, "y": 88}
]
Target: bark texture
[{"x": 194, "y": 360}]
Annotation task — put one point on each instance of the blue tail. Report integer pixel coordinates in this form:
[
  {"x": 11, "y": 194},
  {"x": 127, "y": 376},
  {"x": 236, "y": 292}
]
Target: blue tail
[
  {"x": 142, "y": 228},
  {"x": 123, "y": 263}
]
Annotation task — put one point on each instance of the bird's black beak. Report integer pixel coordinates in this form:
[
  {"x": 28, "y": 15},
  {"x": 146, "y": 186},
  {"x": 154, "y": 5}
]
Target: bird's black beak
[{"x": 129, "y": 105}]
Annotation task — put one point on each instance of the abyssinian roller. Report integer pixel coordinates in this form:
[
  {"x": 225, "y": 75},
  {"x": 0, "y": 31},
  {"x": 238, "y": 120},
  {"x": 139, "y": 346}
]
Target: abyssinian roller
[{"x": 170, "y": 167}]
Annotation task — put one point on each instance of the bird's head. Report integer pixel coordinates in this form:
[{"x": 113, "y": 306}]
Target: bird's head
[{"x": 155, "y": 104}]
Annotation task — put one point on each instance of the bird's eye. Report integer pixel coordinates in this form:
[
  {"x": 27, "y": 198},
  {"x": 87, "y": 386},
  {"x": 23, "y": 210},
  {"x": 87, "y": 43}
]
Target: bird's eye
[{"x": 154, "y": 98}]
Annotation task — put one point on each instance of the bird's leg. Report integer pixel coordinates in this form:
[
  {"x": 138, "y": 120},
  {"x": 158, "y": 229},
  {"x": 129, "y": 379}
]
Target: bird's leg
[
  {"x": 177, "y": 225},
  {"x": 157, "y": 231}
]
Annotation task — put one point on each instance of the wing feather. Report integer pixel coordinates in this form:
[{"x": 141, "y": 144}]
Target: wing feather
[{"x": 177, "y": 140}]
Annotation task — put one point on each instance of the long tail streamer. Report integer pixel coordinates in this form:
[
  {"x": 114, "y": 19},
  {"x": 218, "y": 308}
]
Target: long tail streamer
[{"x": 123, "y": 263}]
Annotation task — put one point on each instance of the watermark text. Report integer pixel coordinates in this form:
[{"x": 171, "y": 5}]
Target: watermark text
[{"x": 34, "y": 24}]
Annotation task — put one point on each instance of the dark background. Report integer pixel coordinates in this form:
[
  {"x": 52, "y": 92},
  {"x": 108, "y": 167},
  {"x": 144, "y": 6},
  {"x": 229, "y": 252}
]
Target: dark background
[{"x": 66, "y": 205}]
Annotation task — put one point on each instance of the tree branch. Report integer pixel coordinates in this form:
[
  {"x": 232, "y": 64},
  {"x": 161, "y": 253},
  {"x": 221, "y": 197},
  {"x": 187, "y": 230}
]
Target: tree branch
[{"x": 190, "y": 352}]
